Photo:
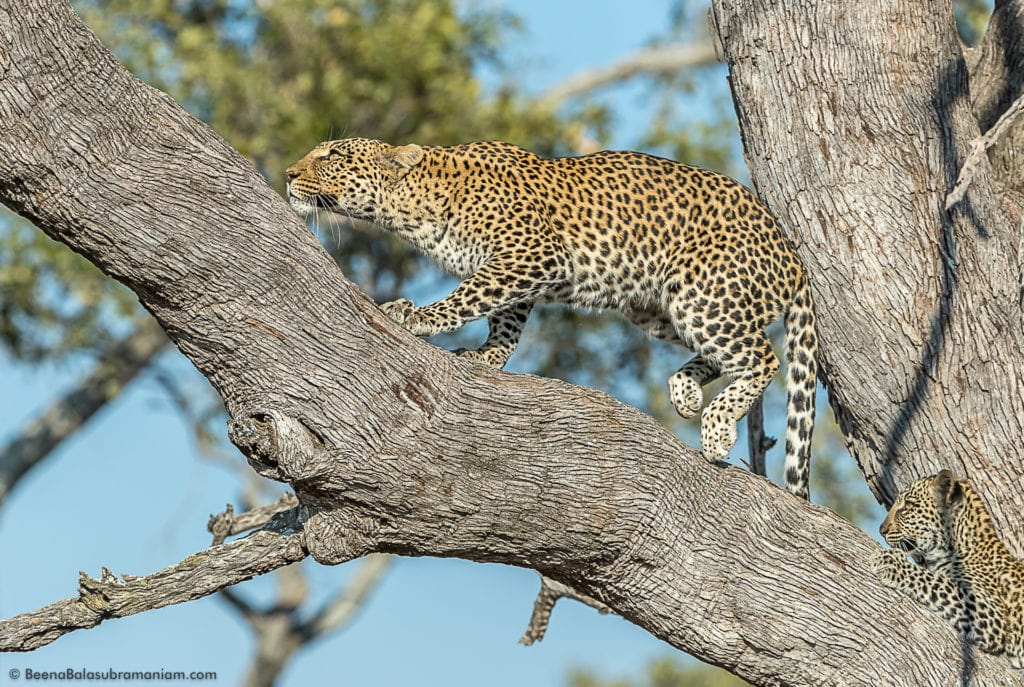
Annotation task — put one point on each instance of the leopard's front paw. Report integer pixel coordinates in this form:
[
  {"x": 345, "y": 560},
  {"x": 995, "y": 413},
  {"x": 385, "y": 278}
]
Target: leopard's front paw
[
  {"x": 887, "y": 567},
  {"x": 717, "y": 435},
  {"x": 399, "y": 310},
  {"x": 490, "y": 356}
]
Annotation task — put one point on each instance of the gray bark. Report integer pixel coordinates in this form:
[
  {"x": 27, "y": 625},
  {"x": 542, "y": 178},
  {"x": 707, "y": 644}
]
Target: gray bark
[
  {"x": 855, "y": 121},
  {"x": 997, "y": 79},
  {"x": 394, "y": 446}
]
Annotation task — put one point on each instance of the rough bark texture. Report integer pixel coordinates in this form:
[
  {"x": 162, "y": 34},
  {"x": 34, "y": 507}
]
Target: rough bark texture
[
  {"x": 997, "y": 79},
  {"x": 855, "y": 120},
  {"x": 395, "y": 446},
  {"x": 108, "y": 597}
]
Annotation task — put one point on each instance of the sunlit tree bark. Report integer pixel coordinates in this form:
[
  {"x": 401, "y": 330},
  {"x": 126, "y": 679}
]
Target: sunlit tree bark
[{"x": 394, "y": 446}]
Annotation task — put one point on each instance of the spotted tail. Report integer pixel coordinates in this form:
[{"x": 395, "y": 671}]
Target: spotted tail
[{"x": 801, "y": 384}]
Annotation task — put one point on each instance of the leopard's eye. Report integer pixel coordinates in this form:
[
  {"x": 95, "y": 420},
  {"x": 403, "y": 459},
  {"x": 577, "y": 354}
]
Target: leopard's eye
[{"x": 333, "y": 154}]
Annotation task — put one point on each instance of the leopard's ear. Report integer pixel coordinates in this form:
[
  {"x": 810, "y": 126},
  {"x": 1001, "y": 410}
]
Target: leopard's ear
[
  {"x": 402, "y": 158},
  {"x": 948, "y": 487}
]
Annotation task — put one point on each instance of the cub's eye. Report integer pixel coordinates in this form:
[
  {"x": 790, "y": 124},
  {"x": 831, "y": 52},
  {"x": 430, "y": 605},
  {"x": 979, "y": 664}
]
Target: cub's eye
[{"x": 333, "y": 154}]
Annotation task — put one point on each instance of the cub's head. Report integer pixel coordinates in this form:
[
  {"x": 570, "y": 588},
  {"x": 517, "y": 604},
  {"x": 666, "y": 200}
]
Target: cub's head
[
  {"x": 348, "y": 176},
  {"x": 917, "y": 522}
]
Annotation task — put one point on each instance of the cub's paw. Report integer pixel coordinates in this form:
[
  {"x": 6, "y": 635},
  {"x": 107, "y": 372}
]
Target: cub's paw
[
  {"x": 717, "y": 436},
  {"x": 887, "y": 566},
  {"x": 399, "y": 310},
  {"x": 686, "y": 394}
]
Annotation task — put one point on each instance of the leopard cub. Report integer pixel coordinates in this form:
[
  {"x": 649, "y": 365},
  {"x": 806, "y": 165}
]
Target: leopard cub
[{"x": 962, "y": 569}]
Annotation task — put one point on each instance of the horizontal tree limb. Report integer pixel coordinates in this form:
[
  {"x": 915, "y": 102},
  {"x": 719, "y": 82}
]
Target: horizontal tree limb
[{"x": 197, "y": 576}]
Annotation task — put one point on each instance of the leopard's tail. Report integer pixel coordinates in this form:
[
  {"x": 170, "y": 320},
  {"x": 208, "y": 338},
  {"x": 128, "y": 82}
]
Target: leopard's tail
[{"x": 801, "y": 384}]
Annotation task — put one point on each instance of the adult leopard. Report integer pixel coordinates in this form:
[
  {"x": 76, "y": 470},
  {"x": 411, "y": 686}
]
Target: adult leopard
[
  {"x": 963, "y": 570},
  {"x": 688, "y": 255}
]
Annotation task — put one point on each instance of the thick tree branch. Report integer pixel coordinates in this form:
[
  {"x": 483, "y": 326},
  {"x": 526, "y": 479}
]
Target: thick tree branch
[
  {"x": 115, "y": 369},
  {"x": 996, "y": 66},
  {"x": 394, "y": 446},
  {"x": 656, "y": 60}
]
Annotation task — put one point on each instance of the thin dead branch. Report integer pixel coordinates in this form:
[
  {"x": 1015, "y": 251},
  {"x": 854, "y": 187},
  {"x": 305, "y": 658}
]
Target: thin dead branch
[
  {"x": 979, "y": 147},
  {"x": 550, "y": 592},
  {"x": 226, "y": 524},
  {"x": 199, "y": 575},
  {"x": 657, "y": 60}
]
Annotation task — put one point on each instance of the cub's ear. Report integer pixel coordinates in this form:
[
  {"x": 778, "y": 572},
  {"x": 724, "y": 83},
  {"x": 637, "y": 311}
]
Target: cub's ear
[
  {"x": 402, "y": 157},
  {"x": 948, "y": 487}
]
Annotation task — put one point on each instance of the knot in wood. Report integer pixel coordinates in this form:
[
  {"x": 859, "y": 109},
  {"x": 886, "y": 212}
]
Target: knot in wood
[
  {"x": 279, "y": 446},
  {"x": 256, "y": 436}
]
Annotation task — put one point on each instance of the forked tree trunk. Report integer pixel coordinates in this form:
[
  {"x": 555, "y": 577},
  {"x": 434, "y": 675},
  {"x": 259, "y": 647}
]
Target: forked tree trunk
[
  {"x": 856, "y": 119},
  {"x": 393, "y": 445}
]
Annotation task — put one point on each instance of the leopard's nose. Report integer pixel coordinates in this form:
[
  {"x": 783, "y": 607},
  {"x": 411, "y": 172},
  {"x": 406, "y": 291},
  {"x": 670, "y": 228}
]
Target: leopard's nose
[{"x": 291, "y": 173}]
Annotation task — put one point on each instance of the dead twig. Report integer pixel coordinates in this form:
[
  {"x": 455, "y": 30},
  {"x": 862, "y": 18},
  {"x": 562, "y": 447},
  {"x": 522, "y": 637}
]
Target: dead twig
[{"x": 979, "y": 147}]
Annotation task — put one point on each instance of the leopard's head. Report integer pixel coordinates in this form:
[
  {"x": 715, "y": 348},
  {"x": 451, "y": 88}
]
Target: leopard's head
[
  {"x": 917, "y": 522},
  {"x": 348, "y": 176}
]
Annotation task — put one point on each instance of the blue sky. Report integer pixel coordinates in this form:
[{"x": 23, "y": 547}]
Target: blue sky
[{"x": 128, "y": 493}]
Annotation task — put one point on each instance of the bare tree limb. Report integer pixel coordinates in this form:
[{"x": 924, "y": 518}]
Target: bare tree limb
[
  {"x": 226, "y": 524},
  {"x": 979, "y": 148},
  {"x": 111, "y": 374},
  {"x": 656, "y": 60},
  {"x": 197, "y": 576},
  {"x": 996, "y": 68},
  {"x": 996, "y": 65},
  {"x": 341, "y": 609}
]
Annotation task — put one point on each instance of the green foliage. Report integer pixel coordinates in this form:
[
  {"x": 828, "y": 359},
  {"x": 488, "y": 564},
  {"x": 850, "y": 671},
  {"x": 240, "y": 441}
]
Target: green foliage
[
  {"x": 54, "y": 302},
  {"x": 972, "y": 19},
  {"x": 276, "y": 77},
  {"x": 662, "y": 672}
]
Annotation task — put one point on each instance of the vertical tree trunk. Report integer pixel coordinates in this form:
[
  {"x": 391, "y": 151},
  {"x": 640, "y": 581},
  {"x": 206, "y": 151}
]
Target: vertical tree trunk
[{"x": 855, "y": 120}]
